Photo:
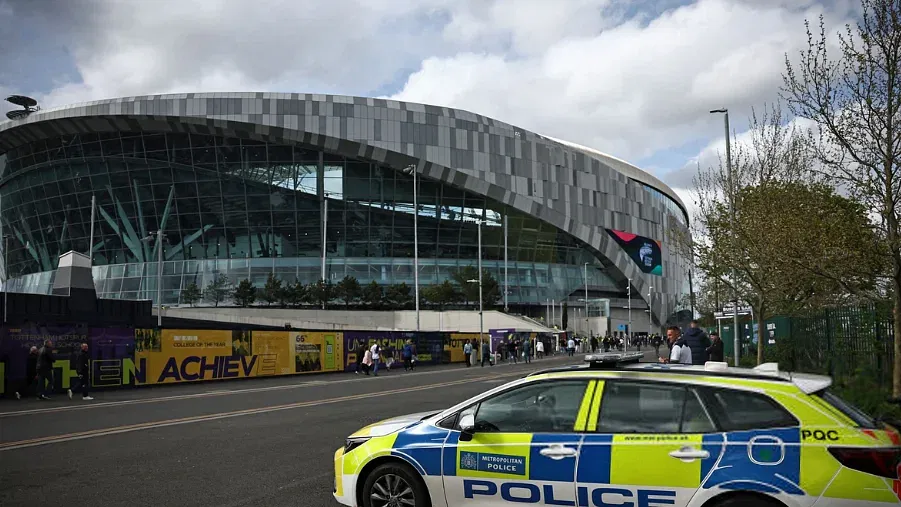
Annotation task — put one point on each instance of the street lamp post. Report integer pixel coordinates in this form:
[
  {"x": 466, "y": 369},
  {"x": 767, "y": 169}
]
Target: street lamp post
[
  {"x": 629, "y": 292},
  {"x": 479, "y": 281},
  {"x": 731, "y": 192},
  {"x": 553, "y": 313},
  {"x": 506, "y": 288},
  {"x": 587, "y": 325},
  {"x": 481, "y": 315},
  {"x": 324, "y": 235},
  {"x": 159, "y": 275},
  {"x": 416, "y": 244},
  {"x": 5, "y": 274},
  {"x": 650, "y": 312}
]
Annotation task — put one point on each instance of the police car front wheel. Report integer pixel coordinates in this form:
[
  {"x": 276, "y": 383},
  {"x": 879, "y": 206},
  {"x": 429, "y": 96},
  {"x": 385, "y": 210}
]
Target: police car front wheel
[{"x": 394, "y": 485}]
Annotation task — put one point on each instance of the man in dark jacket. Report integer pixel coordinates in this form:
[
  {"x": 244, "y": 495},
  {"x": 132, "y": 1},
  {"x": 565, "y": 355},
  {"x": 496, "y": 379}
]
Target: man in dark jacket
[
  {"x": 46, "y": 357},
  {"x": 83, "y": 369},
  {"x": 715, "y": 350},
  {"x": 698, "y": 341}
]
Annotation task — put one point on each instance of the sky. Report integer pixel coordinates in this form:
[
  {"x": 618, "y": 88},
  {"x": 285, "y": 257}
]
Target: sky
[{"x": 632, "y": 78}]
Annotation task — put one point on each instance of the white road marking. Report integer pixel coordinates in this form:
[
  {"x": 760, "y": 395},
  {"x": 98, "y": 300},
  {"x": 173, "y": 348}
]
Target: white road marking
[{"x": 220, "y": 392}]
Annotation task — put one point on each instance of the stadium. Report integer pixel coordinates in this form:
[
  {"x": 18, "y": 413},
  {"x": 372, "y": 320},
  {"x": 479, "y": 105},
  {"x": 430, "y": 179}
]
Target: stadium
[{"x": 239, "y": 184}]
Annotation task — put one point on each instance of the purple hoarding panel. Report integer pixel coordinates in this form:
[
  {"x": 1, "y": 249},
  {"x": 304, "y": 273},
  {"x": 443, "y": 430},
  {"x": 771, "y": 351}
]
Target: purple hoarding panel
[
  {"x": 107, "y": 346},
  {"x": 428, "y": 347}
]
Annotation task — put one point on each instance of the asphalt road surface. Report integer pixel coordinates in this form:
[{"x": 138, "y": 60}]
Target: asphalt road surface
[{"x": 259, "y": 442}]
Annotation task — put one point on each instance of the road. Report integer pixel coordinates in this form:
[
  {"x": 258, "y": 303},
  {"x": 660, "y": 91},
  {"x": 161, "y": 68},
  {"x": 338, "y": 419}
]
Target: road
[{"x": 266, "y": 442}]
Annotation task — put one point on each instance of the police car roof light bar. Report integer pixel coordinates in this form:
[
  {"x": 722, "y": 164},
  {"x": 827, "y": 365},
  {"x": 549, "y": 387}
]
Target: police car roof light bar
[{"x": 612, "y": 359}]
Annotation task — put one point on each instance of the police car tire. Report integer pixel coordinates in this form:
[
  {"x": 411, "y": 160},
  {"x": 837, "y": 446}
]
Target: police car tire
[
  {"x": 420, "y": 493},
  {"x": 747, "y": 501}
]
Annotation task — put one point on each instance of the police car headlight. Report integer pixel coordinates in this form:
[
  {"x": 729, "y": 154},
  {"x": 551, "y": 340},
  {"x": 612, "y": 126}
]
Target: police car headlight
[{"x": 352, "y": 443}]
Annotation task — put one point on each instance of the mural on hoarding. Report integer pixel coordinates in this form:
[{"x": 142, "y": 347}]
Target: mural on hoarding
[
  {"x": 17, "y": 341},
  {"x": 130, "y": 357},
  {"x": 430, "y": 347}
]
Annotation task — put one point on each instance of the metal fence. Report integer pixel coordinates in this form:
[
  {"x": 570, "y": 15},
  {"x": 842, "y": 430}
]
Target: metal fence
[{"x": 841, "y": 342}]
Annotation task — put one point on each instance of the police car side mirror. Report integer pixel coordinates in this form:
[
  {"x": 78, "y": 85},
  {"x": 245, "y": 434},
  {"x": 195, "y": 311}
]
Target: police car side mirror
[{"x": 467, "y": 427}]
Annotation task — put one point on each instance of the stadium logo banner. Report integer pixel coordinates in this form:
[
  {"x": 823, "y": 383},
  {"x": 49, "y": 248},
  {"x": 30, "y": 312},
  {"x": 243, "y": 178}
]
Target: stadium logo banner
[{"x": 645, "y": 252}]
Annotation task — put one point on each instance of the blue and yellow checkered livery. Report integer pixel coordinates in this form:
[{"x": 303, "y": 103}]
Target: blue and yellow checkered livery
[{"x": 585, "y": 468}]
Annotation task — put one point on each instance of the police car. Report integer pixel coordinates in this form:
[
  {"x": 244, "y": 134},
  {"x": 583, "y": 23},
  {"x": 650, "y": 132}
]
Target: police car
[{"x": 619, "y": 433}]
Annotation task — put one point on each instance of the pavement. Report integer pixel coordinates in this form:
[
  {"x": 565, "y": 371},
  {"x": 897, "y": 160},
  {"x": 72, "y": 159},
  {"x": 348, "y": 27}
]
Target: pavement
[{"x": 256, "y": 442}]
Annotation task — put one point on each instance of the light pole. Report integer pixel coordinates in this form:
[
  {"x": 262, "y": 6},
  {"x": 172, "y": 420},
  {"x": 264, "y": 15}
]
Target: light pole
[
  {"x": 587, "y": 325},
  {"x": 650, "y": 312},
  {"x": 324, "y": 234},
  {"x": 159, "y": 274},
  {"x": 731, "y": 192},
  {"x": 416, "y": 244},
  {"x": 481, "y": 315},
  {"x": 91, "y": 237},
  {"x": 629, "y": 292},
  {"x": 553, "y": 313},
  {"x": 5, "y": 273},
  {"x": 506, "y": 288}
]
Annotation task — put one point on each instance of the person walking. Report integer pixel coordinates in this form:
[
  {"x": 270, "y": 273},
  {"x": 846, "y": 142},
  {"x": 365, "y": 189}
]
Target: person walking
[
  {"x": 45, "y": 370},
  {"x": 376, "y": 357},
  {"x": 408, "y": 355},
  {"x": 715, "y": 350},
  {"x": 367, "y": 361},
  {"x": 539, "y": 348},
  {"x": 83, "y": 369},
  {"x": 527, "y": 350},
  {"x": 486, "y": 353},
  {"x": 467, "y": 352},
  {"x": 31, "y": 374},
  {"x": 571, "y": 347},
  {"x": 360, "y": 352}
]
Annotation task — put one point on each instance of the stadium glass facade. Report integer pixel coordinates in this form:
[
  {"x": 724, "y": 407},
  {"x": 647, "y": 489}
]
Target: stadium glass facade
[
  {"x": 237, "y": 184},
  {"x": 247, "y": 208}
]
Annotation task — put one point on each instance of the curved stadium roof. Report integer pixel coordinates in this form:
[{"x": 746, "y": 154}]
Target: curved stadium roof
[{"x": 577, "y": 189}]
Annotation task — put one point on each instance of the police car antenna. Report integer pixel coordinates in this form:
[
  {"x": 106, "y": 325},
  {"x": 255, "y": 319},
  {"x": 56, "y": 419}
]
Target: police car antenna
[{"x": 613, "y": 359}]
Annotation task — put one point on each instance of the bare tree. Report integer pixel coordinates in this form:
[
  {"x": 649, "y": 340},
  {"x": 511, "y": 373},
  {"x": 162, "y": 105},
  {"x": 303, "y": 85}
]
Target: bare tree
[
  {"x": 854, "y": 99},
  {"x": 738, "y": 255}
]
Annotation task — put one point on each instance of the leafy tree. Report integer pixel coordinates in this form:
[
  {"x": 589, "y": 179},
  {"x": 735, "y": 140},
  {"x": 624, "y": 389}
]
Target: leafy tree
[
  {"x": 284, "y": 295},
  {"x": 191, "y": 294},
  {"x": 399, "y": 295},
  {"x": 565, "y": 318},
  {"x": 349, "y": 290},
  {"x": 373, "y": 295},
  {"x": 296, "y": 293},
  {"x": 854, "y": 98},
  {"x": 272, "y": 289},
  {"x": 321, "y": 292},
  {"x": 245, "y": 293},
  {"x": 442, "y": 294},
  {"x": 470, "y": 289},
  {"x": 776, "y": 228},
  {"x": 217, "y": 290}
]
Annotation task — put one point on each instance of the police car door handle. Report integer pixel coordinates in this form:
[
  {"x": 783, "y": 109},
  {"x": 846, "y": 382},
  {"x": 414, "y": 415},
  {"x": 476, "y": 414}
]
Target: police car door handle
[
  {"x": 558, "y": 452},
  {"x": 690, "y": 454}
]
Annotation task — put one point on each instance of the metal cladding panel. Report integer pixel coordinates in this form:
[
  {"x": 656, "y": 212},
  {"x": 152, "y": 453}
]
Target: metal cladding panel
[{"x": 562, "y": 183}]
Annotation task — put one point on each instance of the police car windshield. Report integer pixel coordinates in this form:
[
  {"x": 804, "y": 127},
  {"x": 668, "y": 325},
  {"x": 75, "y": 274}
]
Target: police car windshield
[{"x": 857, "y": 415}]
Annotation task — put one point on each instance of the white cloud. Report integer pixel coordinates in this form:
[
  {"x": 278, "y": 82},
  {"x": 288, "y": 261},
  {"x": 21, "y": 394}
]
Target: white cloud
[
  {"x": 628, "y": 83},
  {"x": 632, "y": 89}
]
